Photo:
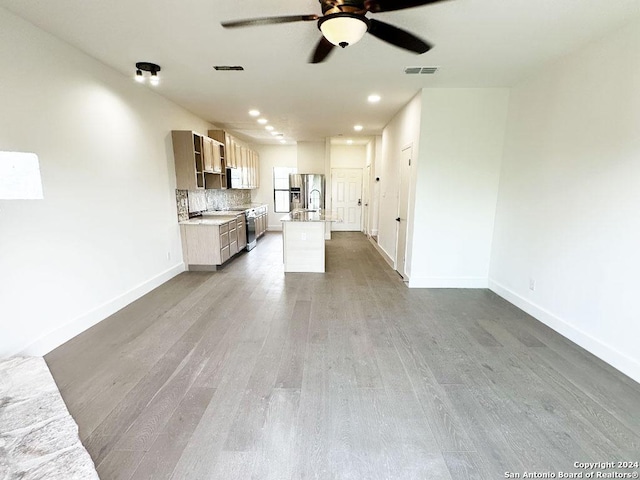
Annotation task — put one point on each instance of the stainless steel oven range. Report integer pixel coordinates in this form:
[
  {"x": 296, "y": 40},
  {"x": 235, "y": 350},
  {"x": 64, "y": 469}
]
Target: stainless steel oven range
[{"x": 250, "y": 216}]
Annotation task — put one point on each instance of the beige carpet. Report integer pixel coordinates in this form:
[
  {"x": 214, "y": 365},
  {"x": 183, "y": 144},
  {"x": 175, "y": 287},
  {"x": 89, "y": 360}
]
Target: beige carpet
[{"x": 38, "y": 437}]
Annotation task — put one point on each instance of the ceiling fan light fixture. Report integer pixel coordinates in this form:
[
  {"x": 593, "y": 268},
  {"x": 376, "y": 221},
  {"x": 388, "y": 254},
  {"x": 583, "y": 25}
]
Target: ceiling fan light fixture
[{"x": 343, "y": 29}]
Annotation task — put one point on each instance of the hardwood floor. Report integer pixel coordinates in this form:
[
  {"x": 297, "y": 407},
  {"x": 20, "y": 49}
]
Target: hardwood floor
[{"x": 246, "y": 373}]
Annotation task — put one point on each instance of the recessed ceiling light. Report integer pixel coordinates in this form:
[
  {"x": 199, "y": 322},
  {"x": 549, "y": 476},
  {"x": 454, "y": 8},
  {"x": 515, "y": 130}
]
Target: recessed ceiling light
[
  {"x": 254, "y": 113},
  {"x": 374, "y": 98},
  {"x": 263, "y": 121},
  {"x": 269, "y": 127},
  {"x": 358, "y": 128},
  {"x": 275, "y": 133},
  {"x": 283, "y": 141},
  {"x": 349, "y": 142}
]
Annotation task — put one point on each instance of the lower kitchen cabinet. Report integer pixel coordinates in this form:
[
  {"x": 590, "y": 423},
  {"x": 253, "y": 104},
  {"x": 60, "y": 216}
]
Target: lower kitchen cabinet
[
  {"x": 261, "y": 221},
  {"x": 206, "y": 244},
  {"x": 241, "y": 228}
]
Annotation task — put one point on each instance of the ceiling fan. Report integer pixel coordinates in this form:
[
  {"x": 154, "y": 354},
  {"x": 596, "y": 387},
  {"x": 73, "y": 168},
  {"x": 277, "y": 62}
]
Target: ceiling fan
[{"x": 344, "y": 22}]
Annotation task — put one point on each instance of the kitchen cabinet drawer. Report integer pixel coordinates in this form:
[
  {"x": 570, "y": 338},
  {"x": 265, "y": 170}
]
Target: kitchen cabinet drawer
[
  {"x": 224, "y": 240},
  {"x": 224, "y": 228}
]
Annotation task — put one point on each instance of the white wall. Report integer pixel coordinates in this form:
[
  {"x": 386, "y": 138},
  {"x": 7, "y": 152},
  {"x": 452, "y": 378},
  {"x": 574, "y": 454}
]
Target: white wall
[
  {"x": 402, "y": 130},
  {"x": 457, "y": 173},
  {"x": 312, "y": 157},
  {"x": 106, "y": 231},
  {"x": 376, "y": 161},
  {"x": 272, "y": 156},
  {"x": 567, "y": 213},
  {"x": 348, "y": 156}
]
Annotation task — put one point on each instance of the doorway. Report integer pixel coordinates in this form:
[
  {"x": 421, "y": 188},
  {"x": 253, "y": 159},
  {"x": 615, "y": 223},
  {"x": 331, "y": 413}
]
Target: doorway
[
  {"x": 346, "y": 198},
  {"x": 403, "y": 209}
]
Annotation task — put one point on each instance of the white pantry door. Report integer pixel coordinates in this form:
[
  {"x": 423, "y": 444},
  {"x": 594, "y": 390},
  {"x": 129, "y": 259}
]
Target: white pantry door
[{"x": 346, "y": 198}]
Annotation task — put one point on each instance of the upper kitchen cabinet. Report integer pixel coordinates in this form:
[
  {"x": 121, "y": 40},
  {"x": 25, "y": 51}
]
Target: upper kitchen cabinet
[
  {"x": 212, "y": 155},
  {"x": 228, "y": 146},
  {"x": 198, "y": 160},
  {"x": 241, "y": 158}
]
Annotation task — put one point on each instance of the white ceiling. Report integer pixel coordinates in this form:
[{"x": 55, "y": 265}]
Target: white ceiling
[{"x": 478, "y": 43}]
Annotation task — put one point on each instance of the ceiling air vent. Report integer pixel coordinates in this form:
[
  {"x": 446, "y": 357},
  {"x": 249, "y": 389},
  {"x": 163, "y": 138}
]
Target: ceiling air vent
[
  {"x": 228, "y": 68},
  {"x": 420, "y": 70}
]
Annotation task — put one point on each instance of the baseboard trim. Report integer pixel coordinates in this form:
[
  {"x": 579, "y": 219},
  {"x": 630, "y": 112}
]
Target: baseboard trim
[
  {"x": 57, "y": 337},
  {"x": 605, "y": 352},
  {"x": 381, "y": 251},
  {"x": 445, "y": 282}
]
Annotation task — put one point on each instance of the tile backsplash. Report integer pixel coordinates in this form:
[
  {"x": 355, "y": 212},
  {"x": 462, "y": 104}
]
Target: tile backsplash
[
  {"x": 193, "y": 201},
  {"x": 182, "y": 202}
]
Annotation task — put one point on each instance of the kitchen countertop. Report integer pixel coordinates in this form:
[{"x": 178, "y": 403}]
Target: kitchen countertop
[
  {"x": 235, "y": 210},
  {"x": 218, "y": 217},
  {"x": 222, "y": 213},
  {"x": 310, "y": 216},
  {"x": 217, "y": 220},
  {"x": 249, "y": 206}
]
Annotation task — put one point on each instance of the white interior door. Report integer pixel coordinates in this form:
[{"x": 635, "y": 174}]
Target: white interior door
[
  {"x": 346, "y": 198},
  {"x": 403, "y": 208}
]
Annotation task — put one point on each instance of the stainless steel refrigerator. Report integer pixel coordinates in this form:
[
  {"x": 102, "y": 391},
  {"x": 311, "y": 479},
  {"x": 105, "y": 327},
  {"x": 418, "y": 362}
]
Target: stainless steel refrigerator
[{"x": 306, "y": 191}]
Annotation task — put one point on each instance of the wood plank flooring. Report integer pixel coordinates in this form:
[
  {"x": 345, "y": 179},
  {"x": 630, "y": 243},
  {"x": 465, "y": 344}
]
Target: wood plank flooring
[{"x": 246, "y": 373}]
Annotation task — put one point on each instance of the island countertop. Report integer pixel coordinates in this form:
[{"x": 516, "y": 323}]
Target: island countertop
[{"x": 310, "y": 216}]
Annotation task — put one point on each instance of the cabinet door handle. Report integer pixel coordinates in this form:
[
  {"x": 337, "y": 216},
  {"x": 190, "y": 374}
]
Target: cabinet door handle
[{"x": 398, "y": 219}]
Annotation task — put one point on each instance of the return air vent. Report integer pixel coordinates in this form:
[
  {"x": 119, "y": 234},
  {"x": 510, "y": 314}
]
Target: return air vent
[
  {"x": 420, "y": 70},
  {"x": 228, "y": 68}
]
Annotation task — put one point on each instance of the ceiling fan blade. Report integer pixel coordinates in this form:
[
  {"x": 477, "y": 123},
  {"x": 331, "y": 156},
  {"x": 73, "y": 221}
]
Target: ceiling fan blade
[
  {"x": 398, "y": 37},
  {"x": 375, "y": 6},
  {"x": 252, "y": 22},
  {"x": 322, "y": 51}
]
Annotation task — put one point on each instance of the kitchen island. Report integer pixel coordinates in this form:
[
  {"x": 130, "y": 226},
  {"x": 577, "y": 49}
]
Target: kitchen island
[{"x": 303, "y": 240}]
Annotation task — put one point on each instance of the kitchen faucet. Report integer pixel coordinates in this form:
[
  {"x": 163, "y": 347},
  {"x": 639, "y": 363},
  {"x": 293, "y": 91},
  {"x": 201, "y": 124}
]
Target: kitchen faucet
[{"x": 311, "y": 197}]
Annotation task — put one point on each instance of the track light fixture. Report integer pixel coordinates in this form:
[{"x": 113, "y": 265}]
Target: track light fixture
[{"x": 153, "y": 70}]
